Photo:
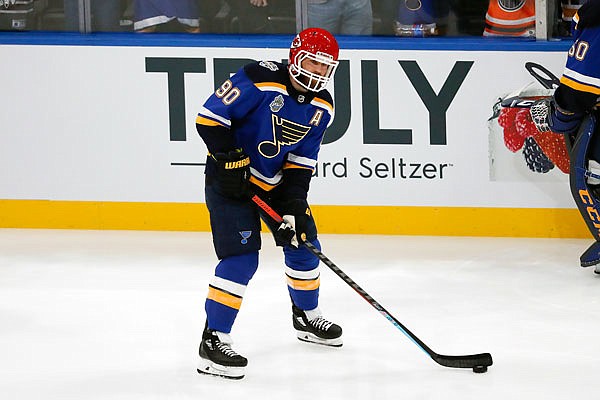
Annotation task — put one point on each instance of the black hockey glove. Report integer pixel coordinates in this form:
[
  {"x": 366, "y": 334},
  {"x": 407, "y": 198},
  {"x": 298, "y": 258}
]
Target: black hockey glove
[
  {"x": 296, "y": 215},
  {"x": 232, "y": 174}
]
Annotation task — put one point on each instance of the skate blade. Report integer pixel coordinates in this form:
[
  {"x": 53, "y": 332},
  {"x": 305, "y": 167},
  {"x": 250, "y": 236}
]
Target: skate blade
[
  {"x": 310, "y": 338},
  {"x": 209, "y": 368}
]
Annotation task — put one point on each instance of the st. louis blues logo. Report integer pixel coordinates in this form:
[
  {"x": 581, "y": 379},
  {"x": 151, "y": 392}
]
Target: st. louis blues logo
[
  {"x": 245, "y": 235},
  {"x": 285, "y": 133}
]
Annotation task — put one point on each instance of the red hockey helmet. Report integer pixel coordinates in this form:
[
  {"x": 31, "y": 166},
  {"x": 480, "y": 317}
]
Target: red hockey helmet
[{"x": 318, "y": 45}]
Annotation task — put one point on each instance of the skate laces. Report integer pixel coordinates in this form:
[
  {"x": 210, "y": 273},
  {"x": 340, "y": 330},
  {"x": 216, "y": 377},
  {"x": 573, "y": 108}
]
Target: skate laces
[
  {"x": 226, "y": 349},
  {"x": 320, "y": 323}
]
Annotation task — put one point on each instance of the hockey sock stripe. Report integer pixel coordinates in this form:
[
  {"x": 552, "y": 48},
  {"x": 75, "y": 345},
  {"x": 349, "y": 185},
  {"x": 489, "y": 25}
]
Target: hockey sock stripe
[
  {"x": 298, "y": 284},
  {"x": 296, "y": 274},
  {"x": 226, "y": 285},
  {"x": 222, "y": 297}
]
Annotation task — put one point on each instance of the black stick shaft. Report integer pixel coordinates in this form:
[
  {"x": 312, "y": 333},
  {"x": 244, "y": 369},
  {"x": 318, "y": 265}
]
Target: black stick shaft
[
  {"x": 468, "y": 361},
  {"x": 374, "y": 303}
]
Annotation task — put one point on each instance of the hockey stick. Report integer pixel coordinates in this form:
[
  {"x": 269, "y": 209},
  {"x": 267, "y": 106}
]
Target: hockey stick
[
  {"x": 478, "y": 362},
  {"x": 547, "y": 79},
  {"x": 544, "y": 76}
]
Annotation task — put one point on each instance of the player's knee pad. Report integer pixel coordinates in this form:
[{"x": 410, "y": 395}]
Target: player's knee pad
[
  {"x": 301, "y": 258},
  {"x": 239, "y": 269}
]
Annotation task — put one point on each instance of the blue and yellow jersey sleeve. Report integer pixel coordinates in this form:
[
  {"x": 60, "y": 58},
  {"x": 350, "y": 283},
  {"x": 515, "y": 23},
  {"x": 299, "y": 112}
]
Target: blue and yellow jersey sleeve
[{"x": 581, "y": 70}]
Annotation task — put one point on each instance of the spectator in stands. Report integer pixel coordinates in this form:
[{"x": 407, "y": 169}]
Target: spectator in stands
[
  {"x": 565, "y": 14},
  {"x": 264, "y": 16},
  {"x": 166, "y": 16},
  {"x": 341, "y": 17},
  {"x": 469, "y": 16},
  {"x": 105, "y": 15}
]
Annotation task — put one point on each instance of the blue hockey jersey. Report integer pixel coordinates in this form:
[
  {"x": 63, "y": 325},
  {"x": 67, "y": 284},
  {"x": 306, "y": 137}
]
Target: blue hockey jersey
[
  {"x": 581, "y": 71},
  {"x": 277, "y": 126}
]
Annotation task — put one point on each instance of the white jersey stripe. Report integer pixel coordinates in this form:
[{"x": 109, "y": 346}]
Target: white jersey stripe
[
  {"x": 309, "y": 162},
  {"x": 271, "y": 181},
  {"x": 205, "y": 112},
  {"x": 509, "y": 21},
  {"x": 582, "y": 78}
]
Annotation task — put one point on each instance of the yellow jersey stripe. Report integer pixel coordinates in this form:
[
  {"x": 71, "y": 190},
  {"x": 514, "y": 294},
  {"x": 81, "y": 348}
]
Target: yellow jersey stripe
[
  {"x": 200, "y": 120},
  {"x": 261, "y": 184},
  {"x": 324, "y": 103},
  {"x": 271, "y": 85},
  {"x": 288, "y": 165},
  {"x": 582, "y": 87}
]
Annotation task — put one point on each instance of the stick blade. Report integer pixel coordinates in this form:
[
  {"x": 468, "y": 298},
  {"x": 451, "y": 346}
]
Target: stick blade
[{"x": 470, "y": 361}]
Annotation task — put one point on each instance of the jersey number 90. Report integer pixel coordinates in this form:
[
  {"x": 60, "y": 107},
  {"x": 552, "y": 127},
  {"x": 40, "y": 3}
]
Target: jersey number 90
[{"x": 227, "y": 93}]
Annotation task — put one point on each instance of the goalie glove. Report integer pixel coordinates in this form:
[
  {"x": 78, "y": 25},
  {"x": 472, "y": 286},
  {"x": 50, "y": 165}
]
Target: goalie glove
[
  {"x": 548, "y": 116},
  {"x": 292, "y": 231},
  {"x": 539, "y": 111}
]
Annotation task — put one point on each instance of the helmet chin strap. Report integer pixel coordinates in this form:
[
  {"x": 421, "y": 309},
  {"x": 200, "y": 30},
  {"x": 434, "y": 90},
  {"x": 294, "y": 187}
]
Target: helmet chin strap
[{"x": 313, "y": 83}]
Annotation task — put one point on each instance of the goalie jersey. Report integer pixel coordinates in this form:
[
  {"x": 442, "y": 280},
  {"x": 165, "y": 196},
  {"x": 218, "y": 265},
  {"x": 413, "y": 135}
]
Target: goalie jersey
[
  {"x": 279, "y": 128},
  {"x": 582, "y": 75},
  {"x": 579, "y": 89}
]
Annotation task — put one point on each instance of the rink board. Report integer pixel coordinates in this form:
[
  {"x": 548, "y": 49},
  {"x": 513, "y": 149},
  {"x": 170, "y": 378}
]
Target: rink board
[{"x": 100, "y": 134}]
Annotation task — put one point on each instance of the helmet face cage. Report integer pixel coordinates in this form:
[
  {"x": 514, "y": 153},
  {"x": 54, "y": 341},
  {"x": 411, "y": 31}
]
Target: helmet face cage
[
  {"x": 316, "y": 45},
  {"x": 307, "y": 79}
]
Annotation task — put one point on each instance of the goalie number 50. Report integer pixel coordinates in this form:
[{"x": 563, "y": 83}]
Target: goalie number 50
[{"x": 579, "y": 50}]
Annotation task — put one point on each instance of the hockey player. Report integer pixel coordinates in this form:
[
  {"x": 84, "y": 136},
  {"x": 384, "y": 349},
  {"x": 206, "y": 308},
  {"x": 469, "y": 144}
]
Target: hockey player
[
  {"x": 572, "y": 111},
  {"x": 263, "y": 129}
]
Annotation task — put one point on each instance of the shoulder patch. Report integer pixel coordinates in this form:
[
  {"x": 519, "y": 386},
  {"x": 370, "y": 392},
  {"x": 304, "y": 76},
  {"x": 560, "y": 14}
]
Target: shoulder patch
[
  {"x": 266, "y": 71},
  {"x": 269, "y": 65}
]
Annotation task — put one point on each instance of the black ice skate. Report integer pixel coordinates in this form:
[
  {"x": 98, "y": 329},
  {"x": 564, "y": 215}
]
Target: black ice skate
[
  {"x": 316, "y": 330},
  {"x": 218, "y": 358}
]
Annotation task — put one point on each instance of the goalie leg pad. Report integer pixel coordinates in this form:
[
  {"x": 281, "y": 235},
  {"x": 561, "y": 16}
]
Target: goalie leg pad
[
  {"x": 586, "y": 200},
  {"x": 591, "y": 256}
]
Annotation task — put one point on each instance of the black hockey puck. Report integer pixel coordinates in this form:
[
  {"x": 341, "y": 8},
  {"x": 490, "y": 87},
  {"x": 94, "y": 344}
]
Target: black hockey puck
[{"x": 479, "y": 369}]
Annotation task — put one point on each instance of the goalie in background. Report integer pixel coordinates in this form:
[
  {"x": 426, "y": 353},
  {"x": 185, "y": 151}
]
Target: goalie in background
[
  {"x": 263, "y": 128},
  {"x": 572, "y": 111}
]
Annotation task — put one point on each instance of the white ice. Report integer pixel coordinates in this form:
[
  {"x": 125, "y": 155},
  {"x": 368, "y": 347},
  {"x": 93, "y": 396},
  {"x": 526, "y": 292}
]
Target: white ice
[{"x": 118, "y": 315}]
